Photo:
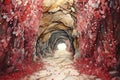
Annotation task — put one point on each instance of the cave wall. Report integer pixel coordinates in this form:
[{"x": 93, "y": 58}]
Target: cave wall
[
  {"x": 99, "y": 27},
  {"x": 19, "y": 23}
]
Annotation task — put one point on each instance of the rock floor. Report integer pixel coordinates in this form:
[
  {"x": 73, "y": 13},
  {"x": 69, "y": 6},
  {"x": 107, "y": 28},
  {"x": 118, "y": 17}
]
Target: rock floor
[{"x": 58, "y": 67}]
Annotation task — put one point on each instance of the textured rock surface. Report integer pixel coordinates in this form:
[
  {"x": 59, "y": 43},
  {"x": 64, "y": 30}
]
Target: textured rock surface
[
  {"x": 97, "y": 24},
  {"x": 19, "y": 23},
  {"x": 55, "y": 5}
]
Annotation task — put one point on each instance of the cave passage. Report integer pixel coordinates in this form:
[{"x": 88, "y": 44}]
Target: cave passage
[
  {"x": 57, "y": 37},
  {"x": 57, "y": 27},
  {"x": 36, "y": 34}
]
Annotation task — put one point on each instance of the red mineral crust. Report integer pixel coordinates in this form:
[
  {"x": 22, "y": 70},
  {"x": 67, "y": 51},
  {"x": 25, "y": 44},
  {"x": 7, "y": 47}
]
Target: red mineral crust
[
  {"x": 19, "y": 23},
  {"x": 99, "y": 28}
]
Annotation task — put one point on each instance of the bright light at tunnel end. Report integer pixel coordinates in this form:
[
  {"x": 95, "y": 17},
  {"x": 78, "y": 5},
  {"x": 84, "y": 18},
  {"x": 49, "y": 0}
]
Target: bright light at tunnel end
[{"x": 61, "y": 46}]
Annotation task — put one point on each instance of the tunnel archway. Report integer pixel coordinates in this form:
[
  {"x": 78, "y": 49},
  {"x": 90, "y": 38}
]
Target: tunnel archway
[
  {"x": 48, "y": 48},
  {"x": 57, "y": 25}
]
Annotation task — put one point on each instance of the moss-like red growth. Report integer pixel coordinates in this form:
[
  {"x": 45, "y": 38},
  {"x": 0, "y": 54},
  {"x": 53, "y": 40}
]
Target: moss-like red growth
[
  {"x": 19, "y": 23},
  {"x": 24, "y": 69},
  {"x": 97, "y": 25}
]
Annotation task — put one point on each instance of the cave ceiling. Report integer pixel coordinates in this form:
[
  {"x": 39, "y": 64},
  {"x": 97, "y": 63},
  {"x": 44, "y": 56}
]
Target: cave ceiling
[{"x": 57, "y": 15}]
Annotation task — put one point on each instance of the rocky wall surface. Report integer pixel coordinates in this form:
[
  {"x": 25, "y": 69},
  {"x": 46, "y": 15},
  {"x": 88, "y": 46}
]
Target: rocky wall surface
[
  {"x": 99, "y": 27},
  {"x": 19, "y": 23}
]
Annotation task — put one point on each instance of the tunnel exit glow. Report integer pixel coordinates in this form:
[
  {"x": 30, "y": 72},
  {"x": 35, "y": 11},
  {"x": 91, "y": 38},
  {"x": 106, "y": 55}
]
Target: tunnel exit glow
[{"x": 61, "y": 46}]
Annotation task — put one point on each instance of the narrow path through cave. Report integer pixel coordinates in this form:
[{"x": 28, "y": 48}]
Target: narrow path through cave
[{"x": 58, "y": 67}]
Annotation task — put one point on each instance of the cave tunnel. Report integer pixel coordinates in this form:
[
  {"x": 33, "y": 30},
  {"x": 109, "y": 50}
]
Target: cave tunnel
[
  {"x": 57, "y": 27},
  {"x": 57, "y": 37},
  {"x": 60, "y": 40}
]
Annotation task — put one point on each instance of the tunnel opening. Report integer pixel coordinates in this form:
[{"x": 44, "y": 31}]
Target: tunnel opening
[
  {"x": 57, "y": 27},
  {"x": 61, "y": 46},
  {"x": 58, "y": 40}
]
